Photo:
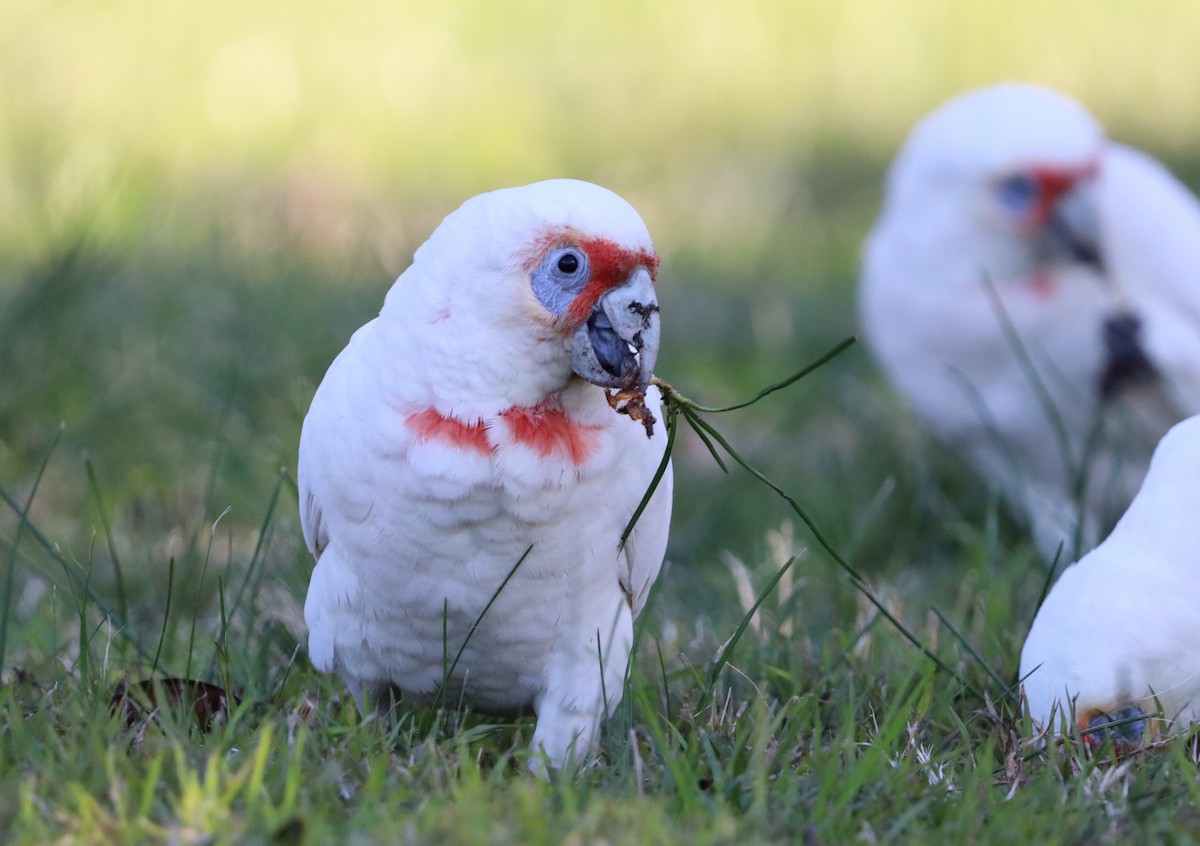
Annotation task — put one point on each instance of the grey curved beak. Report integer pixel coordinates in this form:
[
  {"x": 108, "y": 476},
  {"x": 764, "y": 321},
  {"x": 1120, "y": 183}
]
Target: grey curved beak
[
  {"x": 1075, "y": 225},
  {"x": 617, "y": 346}
]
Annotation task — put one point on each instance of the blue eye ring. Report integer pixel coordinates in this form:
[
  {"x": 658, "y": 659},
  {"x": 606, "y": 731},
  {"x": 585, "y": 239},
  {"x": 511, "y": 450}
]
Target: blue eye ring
[
  {"x": 1018, "y": 193},
  {"x": 561, "y": 276}
]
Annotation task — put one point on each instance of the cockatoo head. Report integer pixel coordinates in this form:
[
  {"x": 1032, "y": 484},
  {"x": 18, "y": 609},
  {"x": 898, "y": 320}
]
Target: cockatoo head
[
  {"x": 1114, "y": 642},
  {"x": 548, "y": 280},
  {"x": 1010, "y": 170}
]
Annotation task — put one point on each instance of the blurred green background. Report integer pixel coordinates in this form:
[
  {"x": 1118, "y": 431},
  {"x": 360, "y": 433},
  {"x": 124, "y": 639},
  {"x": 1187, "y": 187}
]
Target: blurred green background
[{"x": 199, "y": 202}]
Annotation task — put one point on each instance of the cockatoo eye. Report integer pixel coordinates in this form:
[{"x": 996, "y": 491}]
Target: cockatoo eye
[
  {"x": 568, "y": 263},
  {"x": 1018, "y": 193},
  {"x": 560, "y": 277},
  {"x": 1129, "y": 728}
]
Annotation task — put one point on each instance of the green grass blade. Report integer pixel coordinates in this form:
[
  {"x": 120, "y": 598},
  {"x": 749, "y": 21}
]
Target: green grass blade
[
  {"x": 600, "y": 664},
  {"x": 475, "y": 625},
  {"x": 855, "y": 578},
  {"x": 672, "y": 426},
  {"x": 688, "y": 414},
  {"x": 972, "y": 651},
  {"x": 76, "y": 581},
  {"x": 210, "y": 482},
  {"x": 212, "y": 534},
  {"x": 1048, "y": 581},
  {"x": 106, "y": 524},
  {"x": 837, "y": 350},
  {"x": 162, "y": 635},
  {"x": 260, "y": 545},
  {"x": 1036, "y": 383},
  {"x": 722, "y": 658},
  {"x": 662, "y": 669},
  {"x": 11, "y": 558}
]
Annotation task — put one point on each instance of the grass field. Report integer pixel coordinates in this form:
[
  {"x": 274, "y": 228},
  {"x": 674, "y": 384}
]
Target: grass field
[{"x": 199, "y": 203}]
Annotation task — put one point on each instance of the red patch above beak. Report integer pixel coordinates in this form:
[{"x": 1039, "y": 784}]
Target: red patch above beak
[
  {"x": 611, "y": 266},
  {"x": 1053, "y": 183}
]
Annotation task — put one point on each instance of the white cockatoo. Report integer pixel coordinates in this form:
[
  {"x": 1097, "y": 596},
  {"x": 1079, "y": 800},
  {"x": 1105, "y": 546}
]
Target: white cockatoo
[
  {"x": 1117, "y": 637},
  {"x": 1033, "y": 290},
  {"x": 468, "y": 433}
]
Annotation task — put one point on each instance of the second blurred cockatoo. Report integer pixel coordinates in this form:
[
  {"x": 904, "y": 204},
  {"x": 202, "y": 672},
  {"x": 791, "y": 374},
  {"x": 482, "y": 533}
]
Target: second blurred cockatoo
[{"x": 1033, "y": 290}]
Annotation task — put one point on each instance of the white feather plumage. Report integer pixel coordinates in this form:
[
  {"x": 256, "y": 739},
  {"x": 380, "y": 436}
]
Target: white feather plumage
[
  {"x": 448, "y": 438},
  {"x": 1120, "y": 627}
]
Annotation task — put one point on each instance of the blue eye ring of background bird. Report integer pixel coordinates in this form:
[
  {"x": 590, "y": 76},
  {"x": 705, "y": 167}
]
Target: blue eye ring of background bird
[
  {"x": 1127, "y": 735},
  {"x": 1018, "y": 193},
  {"x": 561, "y": 276}
]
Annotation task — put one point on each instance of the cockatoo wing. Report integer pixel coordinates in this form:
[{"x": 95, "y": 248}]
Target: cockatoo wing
[{"x": 1151, "y": 228}]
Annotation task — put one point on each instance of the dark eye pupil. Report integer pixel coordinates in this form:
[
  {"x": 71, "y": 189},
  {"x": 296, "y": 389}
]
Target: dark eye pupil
[{"x": 568, "y": 263}]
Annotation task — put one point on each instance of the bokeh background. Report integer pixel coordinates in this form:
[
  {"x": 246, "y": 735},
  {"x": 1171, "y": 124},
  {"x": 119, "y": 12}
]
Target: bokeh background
[{"x": 199, "y": 202}]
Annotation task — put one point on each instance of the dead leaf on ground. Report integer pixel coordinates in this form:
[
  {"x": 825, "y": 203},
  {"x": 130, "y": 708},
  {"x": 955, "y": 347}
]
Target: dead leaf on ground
[{"x": 137, "y": 701}]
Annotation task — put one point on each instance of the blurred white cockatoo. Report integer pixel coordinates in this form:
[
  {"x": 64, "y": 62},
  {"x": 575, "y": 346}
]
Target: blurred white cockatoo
[
  {"x": 468, "y": 428},
  {"x": 1116, "y": 639},
  {"x": 1033, "y": 290}
]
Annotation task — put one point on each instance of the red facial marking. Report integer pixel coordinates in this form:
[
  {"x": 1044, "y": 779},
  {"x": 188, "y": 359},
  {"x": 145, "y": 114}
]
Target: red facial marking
[
  {"x": 1092, "y": 740},
  {"x": 610, "y": 265},
  {"x": 431, "y": 426},
  {"x": 1052, "y": 183},
  {"x": 546, "y": 429},
  {"x": 1043, "y": 286}
]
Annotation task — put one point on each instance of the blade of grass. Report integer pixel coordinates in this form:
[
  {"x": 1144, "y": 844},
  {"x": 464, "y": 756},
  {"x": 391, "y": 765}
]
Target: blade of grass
[
  {"x": 222, "y": 651},
  {"x": 106, "y": 524},
  {"x": 722, "y": 657},
  {"x": 674, "y": 400},
  {"x": 162, "y": 635},
  {"x": 662, "y": 669},
  {"x": 712, "y": 450},
  {"x": 74, "y": 578},
  {"x": 83, "y": 661},
  {"x": 691, "y": 412},
  {"x": 837, "y": 350},
  {"x": 1048, "y": 581},
  {"x": 600, "y": 664},
  {"x": 200, "y": 587},
  {"x": 870, "y": 515},
  {"x": 210, "y": 483},
  {"x": 639, "y": 630},
  {"x": 1036, "y": 384},
  {"x": 11, "y": 562},
  {"x": 1076, "y": 467},
  {"x": 263, "y": 533},
  {"x": 672, "y": 426},
  {"x": 856, "y": 579},
  {"x": 972, "y": 651},
  {"x": 447, "y": 672}
]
